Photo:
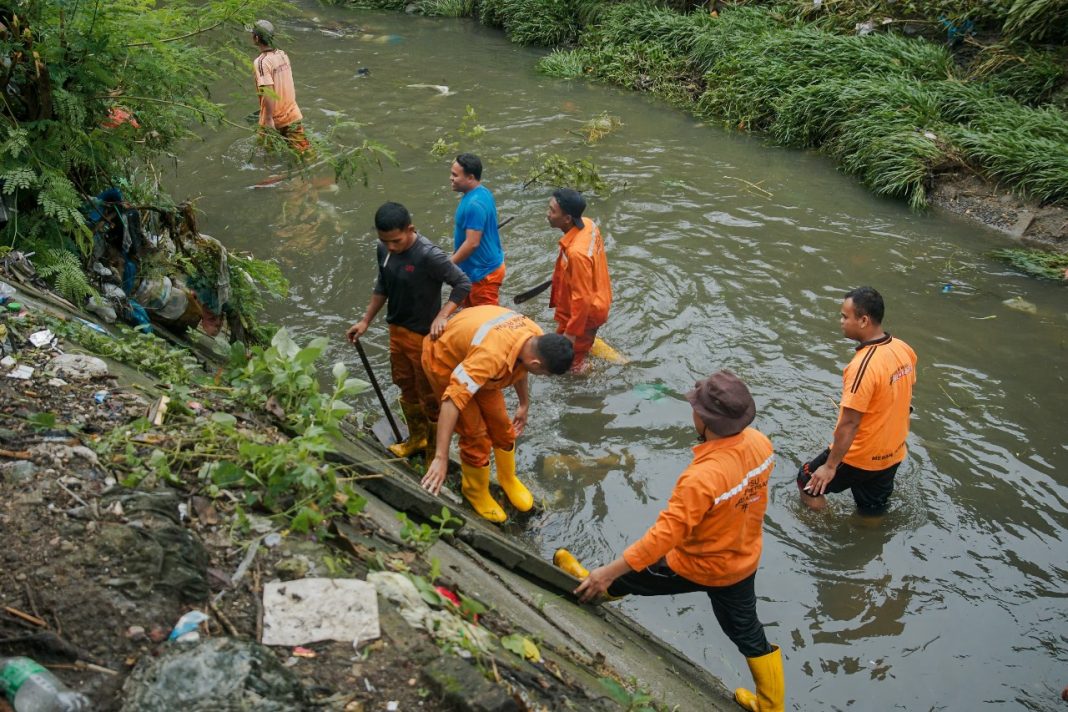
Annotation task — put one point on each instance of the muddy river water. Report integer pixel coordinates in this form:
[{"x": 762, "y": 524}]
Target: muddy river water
[{"x": 724, "y": 253}]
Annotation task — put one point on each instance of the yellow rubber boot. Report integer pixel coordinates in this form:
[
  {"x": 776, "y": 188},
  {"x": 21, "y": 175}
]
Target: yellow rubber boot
[
  {"x": 770, "y": 685},
  {"x": 566, "y": 561},
  {"x": 476, "y": 488},
  {"x": 415, "y": 417},
  {"x": 517, "y": 492}
]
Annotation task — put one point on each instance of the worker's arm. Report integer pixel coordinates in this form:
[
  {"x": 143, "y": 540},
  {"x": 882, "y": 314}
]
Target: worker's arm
[
  {"x": 447, "y": 271},
  {"x": 472, "y": 239},
  {"x": 439, "y": 466},
  {"x": 357, "y": 330},
  {"x": 268, "y": 107},
  {"x": 522, "y": 390},
  {"x": 597, "y": 583},
  {"x": 844, "y": 433}
]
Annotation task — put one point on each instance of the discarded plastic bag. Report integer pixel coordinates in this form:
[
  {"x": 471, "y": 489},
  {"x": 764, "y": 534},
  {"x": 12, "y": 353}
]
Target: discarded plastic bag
[
  {"x": 313, "y": 609},
  {"x": 399, "y": 590},
  {"x": 186, "y": 630}
]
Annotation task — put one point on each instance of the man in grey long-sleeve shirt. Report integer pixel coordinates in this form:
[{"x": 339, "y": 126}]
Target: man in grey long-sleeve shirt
[{"x": 411, "y": 270}]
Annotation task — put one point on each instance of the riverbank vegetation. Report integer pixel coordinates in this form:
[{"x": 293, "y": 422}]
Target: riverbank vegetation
[
  {"x": 898, "y": 93},
  {"x": 98, "y": 97}
]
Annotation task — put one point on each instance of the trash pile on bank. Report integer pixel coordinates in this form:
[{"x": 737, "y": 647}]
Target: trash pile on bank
[{"x": 180, "y": 590}]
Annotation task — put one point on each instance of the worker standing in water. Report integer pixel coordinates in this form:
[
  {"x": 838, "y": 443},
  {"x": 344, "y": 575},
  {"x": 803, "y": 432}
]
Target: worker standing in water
[
  {"x": 581, "y": 289},
  {"x": 273, "y": 75},
  {"x": 709, "y": 538},
  {"x": 476, "y": 240},
  {"x": 411, "y": 271}
]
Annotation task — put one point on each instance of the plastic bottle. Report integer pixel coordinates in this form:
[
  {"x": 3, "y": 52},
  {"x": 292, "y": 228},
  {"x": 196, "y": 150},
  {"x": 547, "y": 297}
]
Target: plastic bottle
[{"x": 31, "y": 688}]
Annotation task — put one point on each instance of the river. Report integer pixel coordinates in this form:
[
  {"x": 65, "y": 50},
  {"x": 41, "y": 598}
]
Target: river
[{"x": 725, "y": 253}]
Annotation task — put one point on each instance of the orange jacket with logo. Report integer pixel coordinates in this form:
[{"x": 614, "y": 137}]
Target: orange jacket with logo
[
  {"x": 712, "y": 529},
  {"x": 581, "y": 292},
  {"x": 478, "y": 349},
  {"x": 878, "y": 383}
]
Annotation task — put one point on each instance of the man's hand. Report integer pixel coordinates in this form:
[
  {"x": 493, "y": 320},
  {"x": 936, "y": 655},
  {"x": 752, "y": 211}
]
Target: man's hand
[
  {"x": 822, "y": 477},
  {"x": 437, "y": 327},
  {"x": 356, "y": 331},
  {"x": 596, "y": 584},
  {"x": 435, "y": 474},
  {"x": 519, "y": 422}
]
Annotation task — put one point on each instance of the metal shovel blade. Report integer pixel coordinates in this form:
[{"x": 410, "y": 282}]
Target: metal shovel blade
[{"x": 384, "y": 433}]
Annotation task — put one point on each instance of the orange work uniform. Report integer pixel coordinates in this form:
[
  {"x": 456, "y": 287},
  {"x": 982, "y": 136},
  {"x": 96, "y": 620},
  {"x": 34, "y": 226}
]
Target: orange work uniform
[
  {"x": 878, "y": 383},
  {"x": 581, "y": 291},
  {"x": 471, "y": 363},
  {"x": 486, "y": 290},
  {"x": 712, "y": 529}
]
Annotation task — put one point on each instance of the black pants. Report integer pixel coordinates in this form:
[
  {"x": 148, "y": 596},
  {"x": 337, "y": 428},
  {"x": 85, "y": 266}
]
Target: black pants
[
  {"x": 871, "y": 488},
  {"x": 734, "y": 605}
]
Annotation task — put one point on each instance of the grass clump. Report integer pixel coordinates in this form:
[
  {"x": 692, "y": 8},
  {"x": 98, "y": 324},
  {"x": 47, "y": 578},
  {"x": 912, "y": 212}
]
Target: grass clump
[
  {"x": 1038, "y": 263},
  {"x": 563, "y": 64}
]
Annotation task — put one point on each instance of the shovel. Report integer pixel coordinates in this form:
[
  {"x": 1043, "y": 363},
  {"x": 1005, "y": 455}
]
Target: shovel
[{"x": 385, "y": 430}]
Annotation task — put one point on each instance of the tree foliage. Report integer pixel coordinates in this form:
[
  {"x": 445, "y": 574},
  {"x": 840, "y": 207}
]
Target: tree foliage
[{"x": 94, "y": 90}]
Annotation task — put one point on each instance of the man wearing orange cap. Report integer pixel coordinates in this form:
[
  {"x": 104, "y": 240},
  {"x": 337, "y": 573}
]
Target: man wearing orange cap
[
  {"x": 274, "y": 85},
  {"x": 482, "y": 351},
  {"x": 581, "y": 291},
  {"x": 710, "y": 536}
]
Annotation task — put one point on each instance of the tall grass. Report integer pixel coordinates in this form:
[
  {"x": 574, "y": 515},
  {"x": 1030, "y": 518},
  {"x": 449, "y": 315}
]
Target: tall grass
[
  {"x": 891, "y": 109},
  {"x": 563, "y": 64},
  {"x": 888, "y": 108}
]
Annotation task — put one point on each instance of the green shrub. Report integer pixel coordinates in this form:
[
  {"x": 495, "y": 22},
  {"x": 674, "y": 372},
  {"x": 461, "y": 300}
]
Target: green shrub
[
  {"x": 547, "y": 23},
  {"x": 564, "y": 64}
]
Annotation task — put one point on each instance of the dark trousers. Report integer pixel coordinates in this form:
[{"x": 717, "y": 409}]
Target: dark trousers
[
  {"x": 871, "y": 488},
  {"x": 734, "y": 605}
]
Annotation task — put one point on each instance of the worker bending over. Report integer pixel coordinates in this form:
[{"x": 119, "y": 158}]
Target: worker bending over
[{"x": 482, "y": 351}]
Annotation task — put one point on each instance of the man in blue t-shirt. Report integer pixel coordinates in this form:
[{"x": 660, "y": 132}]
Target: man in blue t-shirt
[{"x": 476, "y": 243}]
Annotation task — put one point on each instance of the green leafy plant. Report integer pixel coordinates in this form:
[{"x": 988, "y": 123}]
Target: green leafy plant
[
  {"x": 64, "y": 270},
  {"x": 41, "y": 421},
  {"x": 469, "y": 126},
  {"x": 137, "y": 349},
  {"x": 559, "y": 170},
  {"x": 283, "y": 378},
  {"x": 522, "y": 646},
  {"x": 564, "y": 64},
  {"x": 598, "y": 127},
  {"x": 423, "y": 536},
  {"x": 443, "y": 148}
]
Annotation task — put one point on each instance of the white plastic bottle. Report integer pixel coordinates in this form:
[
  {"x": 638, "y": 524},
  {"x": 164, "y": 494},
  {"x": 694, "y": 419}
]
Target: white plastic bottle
[{"x": 31, "y": 688}]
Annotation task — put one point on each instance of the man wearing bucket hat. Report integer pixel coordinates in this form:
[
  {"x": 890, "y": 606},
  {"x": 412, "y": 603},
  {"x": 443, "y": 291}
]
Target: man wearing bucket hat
[
  {"x": 274, "y": 86},
  {"x": 709, "y": 538},
  {"x": 581, "y": 291}
]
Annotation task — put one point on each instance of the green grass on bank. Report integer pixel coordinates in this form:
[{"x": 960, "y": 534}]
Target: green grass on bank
[{"x": 891, "y": 109}]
